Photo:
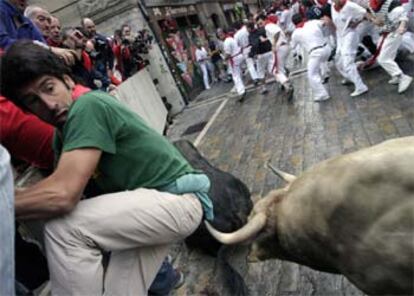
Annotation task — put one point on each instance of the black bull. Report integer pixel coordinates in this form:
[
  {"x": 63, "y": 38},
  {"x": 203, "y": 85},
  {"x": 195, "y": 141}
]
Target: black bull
[
  {"x": 230, "y": 197},
  {"x": 232, "y": 205}
]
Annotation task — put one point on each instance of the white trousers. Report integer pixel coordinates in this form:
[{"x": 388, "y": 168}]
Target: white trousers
[
  {"x": 346, "y": 50},
  {"x": 204, "y": 70},
  {"x": 251, "y": 67},
  {"x": 408, "y": 41},
  {"x": 281, "y": 56},
  {"x": 265, "y": 64},
  {"x": 316, "y": 67},
  {"x": 236, "y": 73},
  {"x": 137, "y": 227},
  {"x": 388, "y": 53}
]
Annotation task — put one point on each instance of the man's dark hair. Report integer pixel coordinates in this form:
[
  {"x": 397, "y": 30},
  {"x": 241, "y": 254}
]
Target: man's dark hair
[
  {"x": 261, "y": 17},
  {"x": 237, "y": 25},
  {"x": 297, "y": 18},
  {"x": 23, "y": 63}
]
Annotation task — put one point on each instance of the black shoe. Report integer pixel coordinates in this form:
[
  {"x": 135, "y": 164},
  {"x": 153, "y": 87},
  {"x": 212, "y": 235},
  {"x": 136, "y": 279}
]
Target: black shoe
[
  {"x": 243, "y": 97},
  {"x": 325, "y": 80},
  {"x": 289, "y": 94},
  {"x": 256, "y": 82}
]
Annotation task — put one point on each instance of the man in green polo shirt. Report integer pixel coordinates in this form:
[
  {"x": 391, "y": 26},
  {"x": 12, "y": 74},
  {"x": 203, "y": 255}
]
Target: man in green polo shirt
[{"x": 151, "y": 197}]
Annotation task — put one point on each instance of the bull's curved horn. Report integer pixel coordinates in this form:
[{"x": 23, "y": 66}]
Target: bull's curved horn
[
  {"x": 285, "y": 176},
  {"x": 246, "y": 232}
]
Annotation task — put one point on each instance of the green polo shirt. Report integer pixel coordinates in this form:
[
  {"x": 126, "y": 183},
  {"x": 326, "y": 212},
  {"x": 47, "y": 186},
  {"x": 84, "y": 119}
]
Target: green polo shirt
[{"x": 134, "y": 155}]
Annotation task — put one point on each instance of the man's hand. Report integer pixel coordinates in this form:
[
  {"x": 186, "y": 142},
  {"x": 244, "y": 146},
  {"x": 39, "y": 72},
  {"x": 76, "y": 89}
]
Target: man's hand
[
  {"x": 59, "y": 193},
  {"x": 402, "y": 28},
  {"x": 67, "y": 55}
]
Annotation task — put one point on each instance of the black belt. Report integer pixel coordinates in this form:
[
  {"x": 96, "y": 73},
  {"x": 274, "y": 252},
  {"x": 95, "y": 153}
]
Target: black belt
[{"x": 317, "y": 47}]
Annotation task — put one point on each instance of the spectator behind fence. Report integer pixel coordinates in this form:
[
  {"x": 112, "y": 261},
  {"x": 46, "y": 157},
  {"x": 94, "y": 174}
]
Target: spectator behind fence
[
  {"x": 103, "y": 55},
  {"x": 55, "y": 39},
  {"x": 83, "y": 68},
  {"x": 100, "y": 138},
  {"x": 41, "y": 18},
  {"x": 14, "y": 25}
]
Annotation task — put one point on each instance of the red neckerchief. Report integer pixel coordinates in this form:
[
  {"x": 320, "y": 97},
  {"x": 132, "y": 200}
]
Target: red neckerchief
[
  {"x": 300, "y": 25},
  {"x": 87, "y": 62},
  {"x": 229, "y": 35},
  {"x": 340, "y": 7}
]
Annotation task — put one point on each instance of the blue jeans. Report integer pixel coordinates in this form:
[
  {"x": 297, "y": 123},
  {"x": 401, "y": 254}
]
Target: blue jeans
[{"x": 6, "y": 225}]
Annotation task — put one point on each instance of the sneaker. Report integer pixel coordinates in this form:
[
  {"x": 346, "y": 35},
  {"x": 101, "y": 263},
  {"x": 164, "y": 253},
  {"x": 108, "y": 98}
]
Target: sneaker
[
  {"x": 359, "y": 92},
  {"x": 321, "y": 99},
  {"x": 346, "y": 82},
  {"x": 264, "y": 91},
  {"x": 404, "y": 83},
  {"x": 394, "y": 80},
  {"x": 242, "y": 97},
  {"x": 325, "y": 80}
]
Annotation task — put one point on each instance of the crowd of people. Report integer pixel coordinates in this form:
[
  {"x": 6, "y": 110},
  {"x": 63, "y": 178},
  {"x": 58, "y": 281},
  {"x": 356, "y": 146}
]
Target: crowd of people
[
  {"x": 357, "y": 35},
  {"x": 56, "y": 114}
]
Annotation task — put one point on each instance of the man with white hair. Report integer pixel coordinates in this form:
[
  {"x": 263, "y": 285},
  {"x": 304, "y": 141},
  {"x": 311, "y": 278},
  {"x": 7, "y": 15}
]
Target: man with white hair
[{"x": 41, "y": 18}]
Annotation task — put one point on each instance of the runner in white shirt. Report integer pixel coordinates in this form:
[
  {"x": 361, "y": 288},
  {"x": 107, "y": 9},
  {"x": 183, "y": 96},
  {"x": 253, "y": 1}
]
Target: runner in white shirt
[
  {"x": 280, "y": 48},
  {"x": 202, "y": 58},
  {"x": 233, "y": 54},
  {"x": 346, "y": 16},
  {"x": 242, "y": 39},
  {"x": 309, "y": 35},
  {"x": 394, "y": 21}
]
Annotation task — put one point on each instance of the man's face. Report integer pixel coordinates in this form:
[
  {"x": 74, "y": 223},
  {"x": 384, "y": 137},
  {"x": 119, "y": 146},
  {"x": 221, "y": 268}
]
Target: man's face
[
  {"x": 90, "y": 27},
  {"x": 42, "y": 20},
  {"x": 126, "y": 32},
  {"x": 55, "y": 29},
  {"x": 19, "y": 4},
  {"x": 260, "y": 23},
  {"x": 49, "y": 98},
  {"x": 78, "y": 40}
]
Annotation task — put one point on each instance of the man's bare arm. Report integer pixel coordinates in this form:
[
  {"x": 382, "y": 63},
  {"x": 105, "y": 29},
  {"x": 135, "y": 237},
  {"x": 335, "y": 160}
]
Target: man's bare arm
[{"x": 59, "y": 193}]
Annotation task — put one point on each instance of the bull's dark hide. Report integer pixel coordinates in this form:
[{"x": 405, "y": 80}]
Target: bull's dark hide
[{"x": 230, "y": 197}]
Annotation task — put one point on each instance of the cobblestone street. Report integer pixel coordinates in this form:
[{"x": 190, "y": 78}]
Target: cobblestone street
[{"x": 293, "y": 136}]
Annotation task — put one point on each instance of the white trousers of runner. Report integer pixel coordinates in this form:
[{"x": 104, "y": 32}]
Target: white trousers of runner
[
  {"x": 204, "y": 70},
  {"x": 346, "y": 50},
  {"x": 265, "y": 64},
  {"x": 317, "y": 60},
  {"x": 136, "y": 227},
  {"x": 236, "y": 72},
  {"x": 282, "y": 53},
  {"x": 388, "y": 53},
  {"x": 251, "y": 67}
]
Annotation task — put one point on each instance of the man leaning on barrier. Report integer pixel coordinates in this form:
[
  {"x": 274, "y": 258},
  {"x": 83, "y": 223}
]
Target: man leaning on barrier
[{"x": 97, "y": 137}]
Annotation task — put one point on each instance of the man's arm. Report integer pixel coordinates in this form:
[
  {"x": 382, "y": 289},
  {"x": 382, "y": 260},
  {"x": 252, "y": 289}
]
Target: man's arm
[{"x": 60, "y": 192}]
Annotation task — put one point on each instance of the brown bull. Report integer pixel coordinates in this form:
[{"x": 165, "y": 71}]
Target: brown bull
[{"x": 351, "y": 215}]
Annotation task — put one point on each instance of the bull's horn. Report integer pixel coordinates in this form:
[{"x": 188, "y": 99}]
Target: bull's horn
[
  {"x": 243, "y": 234},
  {"x": 285, "y": 176}
]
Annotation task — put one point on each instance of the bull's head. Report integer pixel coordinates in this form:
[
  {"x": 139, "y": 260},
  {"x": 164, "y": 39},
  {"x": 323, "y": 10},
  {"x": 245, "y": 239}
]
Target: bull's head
[{"x": 258, "y": 222}]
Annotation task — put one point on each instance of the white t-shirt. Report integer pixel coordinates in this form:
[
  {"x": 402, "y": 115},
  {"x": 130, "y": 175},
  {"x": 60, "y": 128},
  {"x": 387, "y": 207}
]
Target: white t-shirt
[
  {"x": 285, "y": 20},
  {"x": 350, "y": 13},
  {"x": 272, "y": 30},
  {"x": 309, "y": 36},
  {"x": 230, "y": 47},
  {"x": 201, "y": 55},
  {"x": 242, "y": 37}
]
